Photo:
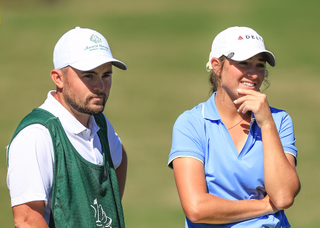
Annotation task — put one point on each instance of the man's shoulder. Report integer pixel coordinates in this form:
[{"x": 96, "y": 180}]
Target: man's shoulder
[
  {"x": 37, "y": 115},
  {"x": 36, "y": 118}
]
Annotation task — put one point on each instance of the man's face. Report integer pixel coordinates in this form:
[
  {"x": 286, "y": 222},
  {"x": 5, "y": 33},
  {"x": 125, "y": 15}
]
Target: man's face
[{"x": 86, "y": 92}]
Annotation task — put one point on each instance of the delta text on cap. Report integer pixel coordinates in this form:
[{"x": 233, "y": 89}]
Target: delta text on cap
[{"x": 239, "y": 43}]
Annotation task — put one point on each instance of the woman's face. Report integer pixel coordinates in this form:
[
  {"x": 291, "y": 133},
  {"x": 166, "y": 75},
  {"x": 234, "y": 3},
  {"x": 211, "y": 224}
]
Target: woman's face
[{"x": 247, "y": 74}]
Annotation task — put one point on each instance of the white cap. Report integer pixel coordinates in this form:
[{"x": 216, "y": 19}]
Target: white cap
[
  {"x": 83, "y": 49},
  {"x": 238, "y": 43}
]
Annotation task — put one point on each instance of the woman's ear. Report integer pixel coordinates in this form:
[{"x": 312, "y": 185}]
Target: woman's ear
[
  {"x": 57, "y": 77},
  {"x": 216, "y": 65}
]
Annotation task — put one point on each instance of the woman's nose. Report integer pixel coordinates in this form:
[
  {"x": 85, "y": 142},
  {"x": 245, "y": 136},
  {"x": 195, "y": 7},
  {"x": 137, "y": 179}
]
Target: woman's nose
[{"x": 252, "y": 71}]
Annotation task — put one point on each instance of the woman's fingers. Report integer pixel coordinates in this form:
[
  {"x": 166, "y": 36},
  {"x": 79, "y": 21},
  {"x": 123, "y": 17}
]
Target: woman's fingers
[
  {"x": 256, "y": 102},
  {"x": 250, "y": 100}
]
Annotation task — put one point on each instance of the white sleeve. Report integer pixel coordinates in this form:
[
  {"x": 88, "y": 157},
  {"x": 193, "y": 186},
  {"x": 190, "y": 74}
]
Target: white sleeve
[
  {"x": 115, "y": 145},
  {"x": 30, "y": 165}
]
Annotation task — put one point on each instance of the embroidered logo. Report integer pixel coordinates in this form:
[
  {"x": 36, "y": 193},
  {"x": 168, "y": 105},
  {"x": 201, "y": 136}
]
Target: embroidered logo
[
  {"x": 95, "y": 39},
  {"x": 102, "y": 220},
  {"x": 97, "y": 46},
  {"x": 240, "y": 38}
]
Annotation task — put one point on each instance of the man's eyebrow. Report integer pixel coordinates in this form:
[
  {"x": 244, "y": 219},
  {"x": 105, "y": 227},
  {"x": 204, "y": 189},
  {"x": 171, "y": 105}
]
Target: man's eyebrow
[
  {"x": 93, "y": 72},
  {"x": 89, "y": 72}
]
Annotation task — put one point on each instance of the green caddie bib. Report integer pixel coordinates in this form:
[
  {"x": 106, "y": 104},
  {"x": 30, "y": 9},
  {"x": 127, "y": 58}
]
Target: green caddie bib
[{"x": 84, "y": 195}]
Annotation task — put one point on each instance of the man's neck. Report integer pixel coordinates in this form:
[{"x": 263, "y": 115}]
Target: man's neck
[{"x": 81, "y": 117}]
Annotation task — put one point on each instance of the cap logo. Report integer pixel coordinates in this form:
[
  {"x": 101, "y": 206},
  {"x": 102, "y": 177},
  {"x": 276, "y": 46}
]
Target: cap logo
[
  {"x": 97, "y": 46},
  {"x": 251, "y": 37},
  {"x": 95, "y": 39}
]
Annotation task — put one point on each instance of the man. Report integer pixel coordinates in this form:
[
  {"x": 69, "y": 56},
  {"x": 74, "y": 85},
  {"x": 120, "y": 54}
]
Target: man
[{"x": 66, "y": 165}]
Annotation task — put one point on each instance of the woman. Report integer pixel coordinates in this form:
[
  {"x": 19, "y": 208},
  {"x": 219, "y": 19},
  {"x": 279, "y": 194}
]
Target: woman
[{"x": 234, "y": 156}]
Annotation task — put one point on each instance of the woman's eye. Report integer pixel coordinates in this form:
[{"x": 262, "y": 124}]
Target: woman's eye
[{"x": 243, "y": 63}]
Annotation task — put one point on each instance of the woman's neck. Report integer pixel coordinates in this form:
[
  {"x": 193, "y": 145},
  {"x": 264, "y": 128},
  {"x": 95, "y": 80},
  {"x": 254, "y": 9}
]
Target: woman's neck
[
  {"x": 228, "y": 111},
  {"x": 225, "y": 104}
]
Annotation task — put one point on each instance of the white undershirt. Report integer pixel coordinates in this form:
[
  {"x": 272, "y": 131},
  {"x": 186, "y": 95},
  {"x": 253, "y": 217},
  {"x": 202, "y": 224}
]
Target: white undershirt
[{"x": 31, "y": 155}]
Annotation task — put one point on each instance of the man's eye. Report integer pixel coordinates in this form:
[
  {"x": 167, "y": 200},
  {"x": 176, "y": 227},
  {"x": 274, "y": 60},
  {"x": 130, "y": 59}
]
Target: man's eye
[
  {"x": 243, "y": 63},
  {"x": 106, "y": 75}
]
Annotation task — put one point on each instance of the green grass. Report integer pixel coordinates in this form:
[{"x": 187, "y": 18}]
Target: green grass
[{"x": 165, "y": 45}]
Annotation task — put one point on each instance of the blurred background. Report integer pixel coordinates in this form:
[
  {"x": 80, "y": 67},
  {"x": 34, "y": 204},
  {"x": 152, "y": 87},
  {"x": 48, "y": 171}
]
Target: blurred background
[{"x": 165, "y": 45}]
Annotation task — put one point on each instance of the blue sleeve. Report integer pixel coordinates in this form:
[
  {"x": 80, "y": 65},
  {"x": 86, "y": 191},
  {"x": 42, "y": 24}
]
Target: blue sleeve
[
  {"x": 187, "y": 138},
  {"x": 286, "y": 134}
]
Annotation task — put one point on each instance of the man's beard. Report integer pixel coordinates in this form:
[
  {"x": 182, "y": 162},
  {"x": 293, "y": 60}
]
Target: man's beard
[{"x": 85, "y": 107}]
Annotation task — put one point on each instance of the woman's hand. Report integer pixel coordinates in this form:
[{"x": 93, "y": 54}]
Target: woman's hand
[
  {"x": 269, "y": 203},
  {"x": 256, "y": 102}
]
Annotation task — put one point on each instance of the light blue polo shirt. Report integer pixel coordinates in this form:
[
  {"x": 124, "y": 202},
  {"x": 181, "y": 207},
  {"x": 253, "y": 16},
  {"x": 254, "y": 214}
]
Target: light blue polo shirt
[{"x": 199, "y": 133}]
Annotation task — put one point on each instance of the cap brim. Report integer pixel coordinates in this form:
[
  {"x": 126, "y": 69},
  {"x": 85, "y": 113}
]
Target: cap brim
[
  {"x": 119, "y": 64},
  {"x": 95, "y": 61},
  {"x": 240, "y": 55}
]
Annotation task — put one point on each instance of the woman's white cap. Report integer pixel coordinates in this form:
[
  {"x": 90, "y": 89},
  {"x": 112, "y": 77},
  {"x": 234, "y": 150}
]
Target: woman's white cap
[
  {"x": 83, "y": 49},
  {"x": 239, "y": 43}
]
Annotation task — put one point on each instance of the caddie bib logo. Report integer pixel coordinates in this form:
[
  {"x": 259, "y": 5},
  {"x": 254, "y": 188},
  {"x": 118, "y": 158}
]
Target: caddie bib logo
[{"x": 102, "y": 220}]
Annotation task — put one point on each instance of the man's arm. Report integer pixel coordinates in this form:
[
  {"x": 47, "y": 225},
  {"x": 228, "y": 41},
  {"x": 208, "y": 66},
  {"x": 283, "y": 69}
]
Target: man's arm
[
  {"x": 29, "y": 215},
  {"x": 121, "y": 172}
]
